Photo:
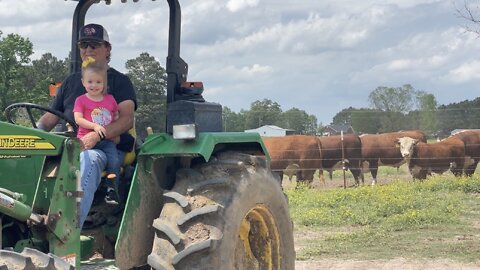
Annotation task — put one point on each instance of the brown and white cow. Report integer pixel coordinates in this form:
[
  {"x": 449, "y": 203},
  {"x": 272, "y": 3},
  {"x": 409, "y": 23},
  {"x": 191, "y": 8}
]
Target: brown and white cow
[
  {"x": 291, "y": 170},
  {"x": 439, "y": 157},
  {"x": 338, "y": 149},
  {"x": 471, "y": 140},
  {"x": 292, "y": 151},
  {"x": 382, "y": 150}
]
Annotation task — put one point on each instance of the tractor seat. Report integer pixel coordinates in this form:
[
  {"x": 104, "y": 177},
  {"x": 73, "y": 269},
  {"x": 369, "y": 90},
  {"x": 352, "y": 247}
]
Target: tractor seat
[{"x": 130, "y": 156}]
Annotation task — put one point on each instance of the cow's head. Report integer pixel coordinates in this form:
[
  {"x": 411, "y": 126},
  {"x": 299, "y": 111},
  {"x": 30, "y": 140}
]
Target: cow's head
[{"x": 406, "y": 145}]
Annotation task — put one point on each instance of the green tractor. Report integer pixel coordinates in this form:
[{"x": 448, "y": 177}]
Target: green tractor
[{"x": 194, "y": 198}]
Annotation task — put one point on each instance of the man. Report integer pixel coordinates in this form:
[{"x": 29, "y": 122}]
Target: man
[{"x": 94, "y": 42}]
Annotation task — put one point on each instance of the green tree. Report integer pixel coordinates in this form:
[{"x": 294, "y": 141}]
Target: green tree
[
  {"x": 312, "y": 127},
  {"x": 300, "y": 121},
  {"x": 232, "y": 121},
  {"x": 15, "y": 52},
  {"x": 149, "y": 79},
  {"x": 344, "y": 116},
  {"x": 366, "y": 120},
  {"x": 40, "y": 74},
  {"x": 320, "y": 129},
  {"x": 428, "y": 112},
  {"x": 265, "y": 112},
  {"x": 394, "y": 102},
  {"x": 393, "y": 99},
  {"x": 461, "y": 115}
]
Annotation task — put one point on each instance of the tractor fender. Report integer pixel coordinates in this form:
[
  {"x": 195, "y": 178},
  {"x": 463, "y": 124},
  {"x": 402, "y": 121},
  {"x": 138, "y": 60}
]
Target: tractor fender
[
  {"x": 155, "y": 172},
  {"x": 205, "y": 145}
]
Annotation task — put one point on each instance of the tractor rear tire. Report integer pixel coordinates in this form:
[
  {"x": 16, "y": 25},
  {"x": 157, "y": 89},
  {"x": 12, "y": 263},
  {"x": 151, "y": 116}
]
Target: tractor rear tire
[
  {"x": 31, "y": 259},
  {"x": 230, "y": 213}
]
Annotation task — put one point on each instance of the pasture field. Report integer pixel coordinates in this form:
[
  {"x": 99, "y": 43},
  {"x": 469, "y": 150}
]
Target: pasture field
[{"x": 436, "y": 219}]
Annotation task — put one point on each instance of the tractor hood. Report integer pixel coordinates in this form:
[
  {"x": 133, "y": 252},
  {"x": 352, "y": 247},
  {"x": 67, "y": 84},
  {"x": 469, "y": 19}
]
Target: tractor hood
[{"x": 16, "y": 140}]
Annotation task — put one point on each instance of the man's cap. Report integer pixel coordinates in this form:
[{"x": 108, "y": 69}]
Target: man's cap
[{"x": 93, "y": 32}]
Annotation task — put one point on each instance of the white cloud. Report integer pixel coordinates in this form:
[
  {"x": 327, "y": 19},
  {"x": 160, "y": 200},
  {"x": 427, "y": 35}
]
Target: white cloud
[
  {"x": 272, "y": 48},
  {"x": 239, "y": 74},
  {"x": 417, "y": 64},
  {"x": 212, "y": 91},
  {"x": 401, "y": 64},
  {"x": 255, "y": 70},
  {"x": 236, "y": 5},
  {"x": 303, "y": 36},
  {"x": 21, "y": 8},
  {"x": 200, "y": 7},
  {"x": 466, "y": 72}
]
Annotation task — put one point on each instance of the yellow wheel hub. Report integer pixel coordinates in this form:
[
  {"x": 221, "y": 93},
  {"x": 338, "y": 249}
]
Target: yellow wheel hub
[{"x": 260, "y": 238}]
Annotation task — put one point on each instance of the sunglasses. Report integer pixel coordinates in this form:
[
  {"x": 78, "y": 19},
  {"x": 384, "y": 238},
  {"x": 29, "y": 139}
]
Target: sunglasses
[{"x": 91, "y": 44}]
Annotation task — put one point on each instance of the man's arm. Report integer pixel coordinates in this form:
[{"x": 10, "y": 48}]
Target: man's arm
[
  {"x": 125, "y": 119},
  {"x": 47, "y": 122}
]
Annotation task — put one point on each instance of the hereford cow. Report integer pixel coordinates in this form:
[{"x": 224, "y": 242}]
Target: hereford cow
[
  {"x": 471, "y": 140},
  {"x": 292, "y": 151},
  {"x": 439, "y": 157},
  {"x": 382, "y": 150},
  {"x": 291, "y": 170},
  {"x": 335, "y": 150}
]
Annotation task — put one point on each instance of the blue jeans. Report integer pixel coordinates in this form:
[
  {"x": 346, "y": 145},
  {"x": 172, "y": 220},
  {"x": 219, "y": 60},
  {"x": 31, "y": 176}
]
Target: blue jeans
[
  {"x": 92, "y": 164},
  {"x": 113, "y": 161}
]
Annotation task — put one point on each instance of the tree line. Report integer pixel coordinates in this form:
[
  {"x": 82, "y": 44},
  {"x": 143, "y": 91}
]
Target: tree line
[
  {"x": 391, "y": 108},
  {"x": 404, "y": 108},
  {"x": 23, "y": 80}
]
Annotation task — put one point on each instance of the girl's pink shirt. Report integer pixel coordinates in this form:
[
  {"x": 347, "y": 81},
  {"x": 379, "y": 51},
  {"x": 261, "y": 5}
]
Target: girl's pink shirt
[{"x": 99, "y": 112}]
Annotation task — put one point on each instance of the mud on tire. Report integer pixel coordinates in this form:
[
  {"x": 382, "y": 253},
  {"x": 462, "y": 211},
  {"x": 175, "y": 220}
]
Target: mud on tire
[
  {"x": 31, "y": 259},
  {"x": 230, "y": 213}
]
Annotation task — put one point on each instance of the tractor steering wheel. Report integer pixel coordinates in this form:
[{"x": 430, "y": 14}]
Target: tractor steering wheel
[{"x": 29, "y": 106}]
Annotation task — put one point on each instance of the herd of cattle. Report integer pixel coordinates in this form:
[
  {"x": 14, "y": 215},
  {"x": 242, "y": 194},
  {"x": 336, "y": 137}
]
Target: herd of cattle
[{"x": 302, "y": 155}]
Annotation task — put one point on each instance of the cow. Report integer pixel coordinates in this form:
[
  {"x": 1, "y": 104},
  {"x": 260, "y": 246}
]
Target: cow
[
  {"x": 291, "y": 170},
  {"x": 340, "y": 151},
  {"x": 382, "y": 150},
  {"x": 471, "y": 140},
  {"x": 439, "y": 157},
  {"x": 292, "y": 151}
]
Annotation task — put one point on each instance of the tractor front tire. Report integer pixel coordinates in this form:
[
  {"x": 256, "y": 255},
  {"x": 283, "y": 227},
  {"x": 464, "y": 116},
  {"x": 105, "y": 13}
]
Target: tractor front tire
[
  {"x": 229, "y": 213},
  {"x": 31, "y": 259}
]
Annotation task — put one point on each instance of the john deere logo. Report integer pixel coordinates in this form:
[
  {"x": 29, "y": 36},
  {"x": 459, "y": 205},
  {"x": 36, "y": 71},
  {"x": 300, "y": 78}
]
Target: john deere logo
[{"x": 24, "y": 142}]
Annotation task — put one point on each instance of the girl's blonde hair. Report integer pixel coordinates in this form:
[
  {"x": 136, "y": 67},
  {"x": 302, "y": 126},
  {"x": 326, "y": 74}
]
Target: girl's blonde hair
[{"x": 92, "y": 65}]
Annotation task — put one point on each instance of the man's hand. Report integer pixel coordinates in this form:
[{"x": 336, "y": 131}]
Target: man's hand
[
  {"x": 47, "y": 122},
  {"x": 90, "y": 140},
  {"x": 100, "y": 131}
]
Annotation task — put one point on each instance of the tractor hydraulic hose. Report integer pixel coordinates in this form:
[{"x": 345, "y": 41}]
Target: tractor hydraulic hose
[
  {"x": 14, "y": 208},
  {"x": 15, "y": 195}
]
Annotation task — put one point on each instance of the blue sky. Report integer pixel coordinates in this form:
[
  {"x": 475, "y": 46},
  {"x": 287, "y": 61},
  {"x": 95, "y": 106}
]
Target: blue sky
[{"x": 318, "y": 56}]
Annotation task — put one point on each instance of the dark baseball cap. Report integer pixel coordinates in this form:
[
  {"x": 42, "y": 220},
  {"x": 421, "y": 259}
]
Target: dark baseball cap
[{"x": 93, "y": 31}]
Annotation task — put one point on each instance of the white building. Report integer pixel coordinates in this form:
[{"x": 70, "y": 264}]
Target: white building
[{"x": 271, "y": 131}]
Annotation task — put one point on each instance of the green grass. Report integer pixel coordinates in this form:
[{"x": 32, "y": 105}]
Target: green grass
[{"x": 437, "y": 218}]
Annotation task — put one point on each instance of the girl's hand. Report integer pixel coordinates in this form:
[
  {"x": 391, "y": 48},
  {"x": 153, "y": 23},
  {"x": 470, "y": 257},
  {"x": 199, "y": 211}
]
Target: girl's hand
[{"x": 101, "y": 131}]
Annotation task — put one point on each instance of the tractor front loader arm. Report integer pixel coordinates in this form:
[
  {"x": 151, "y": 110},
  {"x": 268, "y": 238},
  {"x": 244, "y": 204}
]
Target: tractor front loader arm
[{"x": 39, "y": 192}]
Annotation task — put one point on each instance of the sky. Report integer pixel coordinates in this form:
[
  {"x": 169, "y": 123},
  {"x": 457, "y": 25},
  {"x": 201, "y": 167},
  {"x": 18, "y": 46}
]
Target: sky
[{"x": 320, "y": 56}]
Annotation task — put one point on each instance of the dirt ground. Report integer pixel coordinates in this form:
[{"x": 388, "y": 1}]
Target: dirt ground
[
  {"x": 397, "y": 263},
  {"x": 393, "y": 264}
]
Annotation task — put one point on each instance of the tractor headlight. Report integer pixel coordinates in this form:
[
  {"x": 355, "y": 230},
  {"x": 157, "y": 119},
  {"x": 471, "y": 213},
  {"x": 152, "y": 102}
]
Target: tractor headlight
[{"x": 185, "y": 132}]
